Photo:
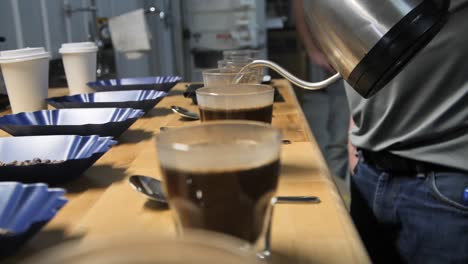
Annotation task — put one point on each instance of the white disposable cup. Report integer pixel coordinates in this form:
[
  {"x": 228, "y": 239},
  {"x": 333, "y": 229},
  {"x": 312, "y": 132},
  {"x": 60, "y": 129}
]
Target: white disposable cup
[
  {"x": 26, "y": 74},
  {"x": 79, "y": 60}
]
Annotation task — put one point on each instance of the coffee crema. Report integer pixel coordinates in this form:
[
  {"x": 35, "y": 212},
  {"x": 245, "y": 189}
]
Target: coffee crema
[
  {"x": 233, "y": 202},
  {"x": 261, "y": 114}
]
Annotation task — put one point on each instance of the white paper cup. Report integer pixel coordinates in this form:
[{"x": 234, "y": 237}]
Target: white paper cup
[
  {"x": 26, "y": 74},
  {"x": 79, "y": 60}
]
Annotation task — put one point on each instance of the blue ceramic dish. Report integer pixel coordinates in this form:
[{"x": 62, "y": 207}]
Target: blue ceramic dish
[
  {"x": 24, "y": 210},
  {"x": 138, "y": 99},
  {"x": 84, "y": 122},
  {"x": 160, "y": 83},
  {"x": 73, "y": 155}
]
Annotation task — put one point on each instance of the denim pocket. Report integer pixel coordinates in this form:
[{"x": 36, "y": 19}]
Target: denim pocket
[{"x": 448, "y": 188}]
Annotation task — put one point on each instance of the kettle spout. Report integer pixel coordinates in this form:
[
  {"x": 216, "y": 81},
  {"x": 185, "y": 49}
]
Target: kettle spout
[{"x": 293, "y": 79}]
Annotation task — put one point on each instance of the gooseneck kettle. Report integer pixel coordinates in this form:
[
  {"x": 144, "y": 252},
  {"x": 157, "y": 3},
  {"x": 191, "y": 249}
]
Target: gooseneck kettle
[{"x": 368, "y": 41}]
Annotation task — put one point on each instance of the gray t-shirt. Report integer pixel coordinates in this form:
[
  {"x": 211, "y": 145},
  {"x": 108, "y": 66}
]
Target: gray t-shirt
[{"x": 422, "y": 113}]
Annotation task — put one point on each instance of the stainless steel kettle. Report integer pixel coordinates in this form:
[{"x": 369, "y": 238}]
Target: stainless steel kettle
[{"x": 368, "y": 41}]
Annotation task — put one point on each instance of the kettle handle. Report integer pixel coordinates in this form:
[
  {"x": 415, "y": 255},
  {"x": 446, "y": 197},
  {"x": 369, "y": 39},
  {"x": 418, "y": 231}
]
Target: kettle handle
[{"x": 281, "y": 71}]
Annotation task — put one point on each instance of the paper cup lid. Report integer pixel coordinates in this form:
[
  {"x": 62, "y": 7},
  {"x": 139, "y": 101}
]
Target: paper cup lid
[
  {"x": 9, "y": 56},
  {"x": 78, "y": 47}
]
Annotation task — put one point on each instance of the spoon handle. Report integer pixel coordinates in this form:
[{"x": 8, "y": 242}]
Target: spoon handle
[
  {"x": 266, "y": 252},
  {"x": 295, "y": 199}
]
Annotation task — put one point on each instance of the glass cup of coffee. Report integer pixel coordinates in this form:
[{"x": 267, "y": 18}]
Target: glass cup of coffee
[
  {"x": 221, "y": 176},
  {"x": 226, "y": 76},
  {"x": 236, "y": 102}
]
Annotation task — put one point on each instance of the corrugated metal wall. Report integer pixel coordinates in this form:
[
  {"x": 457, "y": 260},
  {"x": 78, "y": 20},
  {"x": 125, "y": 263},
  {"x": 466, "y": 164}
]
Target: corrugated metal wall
[{"x": 29, "y": 23}]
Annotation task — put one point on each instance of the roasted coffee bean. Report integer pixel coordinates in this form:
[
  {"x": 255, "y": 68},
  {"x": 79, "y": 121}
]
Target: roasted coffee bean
[{"x": 34, "y": 161}]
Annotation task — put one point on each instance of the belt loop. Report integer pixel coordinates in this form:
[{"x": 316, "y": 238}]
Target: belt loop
[
  {"x": 360, "y": 155},
  {"x": 421, "y": 175},
  {"x": 421, "y": 171}
]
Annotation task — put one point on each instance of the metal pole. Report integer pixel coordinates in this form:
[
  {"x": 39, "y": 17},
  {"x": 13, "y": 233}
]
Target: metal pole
[{"x": 94, "y": 27}]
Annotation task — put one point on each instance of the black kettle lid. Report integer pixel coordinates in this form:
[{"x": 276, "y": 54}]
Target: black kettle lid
[{"x": 396, "y": 48}]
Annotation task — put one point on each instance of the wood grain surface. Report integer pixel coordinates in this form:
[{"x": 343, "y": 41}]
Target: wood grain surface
[{"x": 103, "y": 204}]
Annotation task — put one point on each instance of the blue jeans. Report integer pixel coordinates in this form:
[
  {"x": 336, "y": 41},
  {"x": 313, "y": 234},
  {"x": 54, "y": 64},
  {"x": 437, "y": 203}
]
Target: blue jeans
[{"x": 409, "y": 219}]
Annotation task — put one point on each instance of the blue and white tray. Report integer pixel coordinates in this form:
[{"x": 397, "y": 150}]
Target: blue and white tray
[
  {"x": 24, "y": 210},
  {"x": 84, "y": 122},
  {"x": 75, "y": 153},
  {"x": 160, "y": 83},
  {"x": 138, "y": 99}
]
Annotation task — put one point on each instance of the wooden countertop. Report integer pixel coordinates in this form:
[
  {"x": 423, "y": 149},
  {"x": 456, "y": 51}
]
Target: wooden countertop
[{"x": 103, "y": 204}]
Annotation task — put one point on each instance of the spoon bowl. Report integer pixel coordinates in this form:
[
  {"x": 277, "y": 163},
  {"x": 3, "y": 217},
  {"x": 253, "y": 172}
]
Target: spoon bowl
[
  {"x": 150, "y": 187},
  {"x": 185, "y": 113}
]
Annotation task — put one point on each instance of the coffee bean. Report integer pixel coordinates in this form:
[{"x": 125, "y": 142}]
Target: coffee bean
[{"x": 34, "y": 161}]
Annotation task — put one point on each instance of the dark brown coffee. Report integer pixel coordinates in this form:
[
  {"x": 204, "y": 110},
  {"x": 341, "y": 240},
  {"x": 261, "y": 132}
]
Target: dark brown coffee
[
  {"x": 231, "y": 202},
  {"x": 261, "y": 114}
]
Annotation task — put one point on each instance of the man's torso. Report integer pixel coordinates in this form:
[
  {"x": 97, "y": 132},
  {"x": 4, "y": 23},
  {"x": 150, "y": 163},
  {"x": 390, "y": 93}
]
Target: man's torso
[{"x": 422, "y": 114}]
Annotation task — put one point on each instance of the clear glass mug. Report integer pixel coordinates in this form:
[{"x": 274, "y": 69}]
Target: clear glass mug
[
  {"x": 236, "y": 65},
  {"x": 229, "y": 76},
  {"x": 232, "y": 65},
  {"x": 252, "y": 102},
  {"x": 221, "y": 176},
  {"x": 241, "y": 54},
  {"x": 197, "y": 247}
]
